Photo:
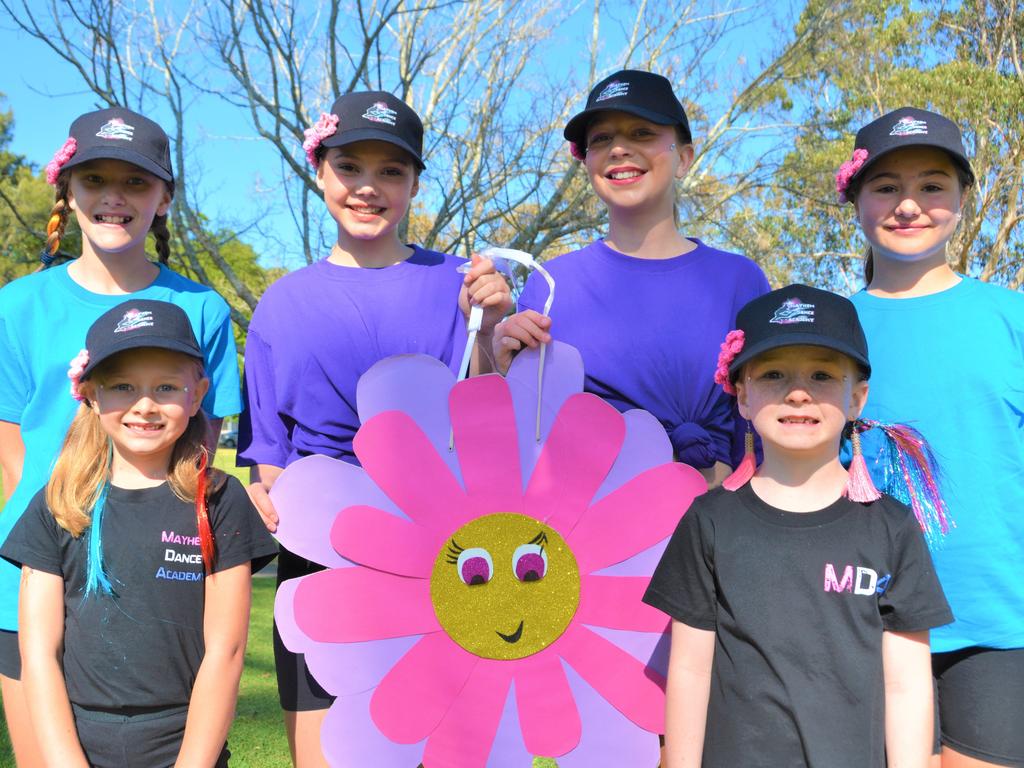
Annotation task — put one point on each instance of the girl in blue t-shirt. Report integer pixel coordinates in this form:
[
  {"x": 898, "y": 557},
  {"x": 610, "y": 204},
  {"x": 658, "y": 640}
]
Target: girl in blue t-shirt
[
  {"x": 949, "y": 356},
  {"x": 319, "y": 328},
  {"x": 113, "y": 173},
  {"x": 136, "y": 560},
  {"x": 645, "y": 305}
]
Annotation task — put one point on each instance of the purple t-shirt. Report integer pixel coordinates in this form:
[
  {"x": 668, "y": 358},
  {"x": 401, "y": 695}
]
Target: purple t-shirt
[
  {"x": 320, "y": 328},
  {"x": 649, "y": 332}
]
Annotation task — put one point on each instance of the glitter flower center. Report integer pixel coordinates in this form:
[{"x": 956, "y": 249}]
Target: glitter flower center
[{"x": 505, "y": 586}]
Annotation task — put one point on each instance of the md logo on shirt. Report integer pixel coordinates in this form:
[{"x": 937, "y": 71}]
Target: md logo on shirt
[{"x": 863, "y": 581}]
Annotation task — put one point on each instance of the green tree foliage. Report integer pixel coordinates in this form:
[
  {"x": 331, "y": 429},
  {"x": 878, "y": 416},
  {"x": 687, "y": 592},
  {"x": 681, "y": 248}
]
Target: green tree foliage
[{"x": 963, "y": 61}]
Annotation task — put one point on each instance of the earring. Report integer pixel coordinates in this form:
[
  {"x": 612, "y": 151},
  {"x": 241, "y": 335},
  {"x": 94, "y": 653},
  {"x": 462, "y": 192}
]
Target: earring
[
  {"x": 746, "y": 468},
  {"x": 859, "y": 486},
  {"x": 959, "y": 216},
  {"x": 672, "y": 147}
]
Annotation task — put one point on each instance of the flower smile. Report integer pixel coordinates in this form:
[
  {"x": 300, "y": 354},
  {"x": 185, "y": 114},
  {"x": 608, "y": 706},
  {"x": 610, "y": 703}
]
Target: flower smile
[{"x": 514, "y": 637}]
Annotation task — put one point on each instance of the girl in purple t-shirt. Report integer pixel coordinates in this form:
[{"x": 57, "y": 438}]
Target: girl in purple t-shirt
[
  {"x": 318, "y": 329},
  {"x": 645, "y": 305}
]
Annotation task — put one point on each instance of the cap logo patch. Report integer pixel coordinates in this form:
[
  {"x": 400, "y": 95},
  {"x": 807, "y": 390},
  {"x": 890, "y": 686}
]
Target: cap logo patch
[
  {"x": 116, "y": 128},
  {"x": 134, "y": 319},
  {"x": 908, "y": 126},
  {"x": 379, "y": 112},
  {"x": 613, "y": 90},
  {"x": 793, "y": 311}
]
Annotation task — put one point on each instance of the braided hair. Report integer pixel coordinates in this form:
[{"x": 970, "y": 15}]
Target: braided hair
[{"x": 59, "y": 220}]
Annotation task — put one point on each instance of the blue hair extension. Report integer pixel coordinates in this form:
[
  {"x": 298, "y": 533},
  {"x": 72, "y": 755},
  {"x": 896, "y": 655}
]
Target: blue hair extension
[{"x": 96, "y": 578}]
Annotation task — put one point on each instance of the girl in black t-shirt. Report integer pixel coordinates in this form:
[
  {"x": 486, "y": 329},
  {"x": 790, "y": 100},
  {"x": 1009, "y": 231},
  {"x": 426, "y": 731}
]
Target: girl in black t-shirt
[{"x": 135, "y": 579}]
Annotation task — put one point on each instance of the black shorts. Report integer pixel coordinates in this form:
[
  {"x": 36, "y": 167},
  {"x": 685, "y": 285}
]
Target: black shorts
[
  {"x": 980, "y": 695},
  {"x": 10, "y": 656},
  {"x": 296, "y": 688},
  {"x": 143, "y": 739}
]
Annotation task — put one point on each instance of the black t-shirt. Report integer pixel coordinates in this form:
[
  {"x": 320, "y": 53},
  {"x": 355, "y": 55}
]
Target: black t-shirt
[
  {"x": 798, "y": 603},
  {"x": 142, "y": 647}
]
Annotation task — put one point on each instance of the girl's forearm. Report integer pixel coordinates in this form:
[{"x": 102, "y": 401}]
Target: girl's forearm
[
  {"x": 50, "y": 713},
  {"x": 212, "y": 707}
]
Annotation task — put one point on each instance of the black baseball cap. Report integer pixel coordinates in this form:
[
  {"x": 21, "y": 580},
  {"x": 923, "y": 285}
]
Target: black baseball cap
[
  {"x": 639, "y": 93},
  {"x": 120, "y": 134},
  {"x": 800, "y": 315},
  {"x": 911, "y": 127},
  {"x": 136, "y": 324},
  {"x": 377, "y": 116}
]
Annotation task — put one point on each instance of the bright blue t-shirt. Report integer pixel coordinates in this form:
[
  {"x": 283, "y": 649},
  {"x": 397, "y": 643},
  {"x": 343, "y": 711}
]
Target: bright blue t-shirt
[
  {"x": 43, "y": 321},
  {"x": 952, "y": 365}
]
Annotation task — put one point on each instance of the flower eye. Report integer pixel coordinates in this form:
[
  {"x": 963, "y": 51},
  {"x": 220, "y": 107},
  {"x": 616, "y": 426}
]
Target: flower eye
[
  {"x": 530, "y": 562},
  {"x": 475, "y": 566}
]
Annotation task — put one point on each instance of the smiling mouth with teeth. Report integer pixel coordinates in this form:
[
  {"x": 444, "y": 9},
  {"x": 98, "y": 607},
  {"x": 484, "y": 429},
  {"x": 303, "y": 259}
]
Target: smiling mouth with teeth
[
  {"x": 109, "y": 219},
  {"x": 620, "y": 175}
]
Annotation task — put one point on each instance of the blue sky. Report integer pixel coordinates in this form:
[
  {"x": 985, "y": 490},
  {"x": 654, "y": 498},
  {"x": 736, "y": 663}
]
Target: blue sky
[{"x": 232, "y": 162}]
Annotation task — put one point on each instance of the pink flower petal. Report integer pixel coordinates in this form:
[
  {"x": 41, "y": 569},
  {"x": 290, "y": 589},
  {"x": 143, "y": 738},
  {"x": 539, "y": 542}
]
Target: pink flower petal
[
  {"x": 508, "y": 750},
  {"x": 487, "y": 444},
  {"x": 615, "y": 601},
  {"x": 419, "y": 386},
  {"x": 650, "y": 648},
  {"x": 362, "y": 604},
  {"x": 609, "y": 738},
  {"x": 646, "y": 445},
  {"x": 399, "y": 457},
  {"x": 551, "y": 724},
  {"x": 308, "y": 496},
  {"x": 379, "y": 540},
  {"x": 344, "y": 669},
  {"x": 465, "y": 736},
  {"x": 563, "y": 377},
  {"x": 577, "y": 455},
  {"x": 351, "y": 740},
  {"x": 642, "y": 512},
  {"x": 634, "y": 690},
  {"x": 419, "y": 691}
]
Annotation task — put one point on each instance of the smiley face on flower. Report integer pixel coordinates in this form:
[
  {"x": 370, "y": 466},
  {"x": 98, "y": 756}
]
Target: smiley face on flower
[
  {"x": 510, "y": 591},
  {"x": 485, "y": 565}
]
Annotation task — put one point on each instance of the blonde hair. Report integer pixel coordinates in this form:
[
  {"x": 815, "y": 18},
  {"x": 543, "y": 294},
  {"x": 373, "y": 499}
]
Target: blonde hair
[
  {"x": 59, "y": 220},
  {"x": 83, "y": 467}
]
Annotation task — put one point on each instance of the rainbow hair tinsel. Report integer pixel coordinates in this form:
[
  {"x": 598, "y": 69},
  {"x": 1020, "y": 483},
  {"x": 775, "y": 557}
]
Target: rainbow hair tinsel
[{"x": 910, "y": 475}]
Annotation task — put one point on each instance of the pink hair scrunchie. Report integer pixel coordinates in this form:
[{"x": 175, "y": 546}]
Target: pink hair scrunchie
[
  {"x": 326, "y": 126},
  {"x": 731, "y": 347},
  {"x": 847, "y": 171},
  {"x": 576, "y": 152},
  {"x": 75, "y": 369},
  {"x": 61, "y": 156}
]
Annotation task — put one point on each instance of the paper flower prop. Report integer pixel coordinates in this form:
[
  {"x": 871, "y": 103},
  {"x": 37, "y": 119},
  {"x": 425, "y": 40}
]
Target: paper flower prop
[{"x": 482, "y": 603}]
